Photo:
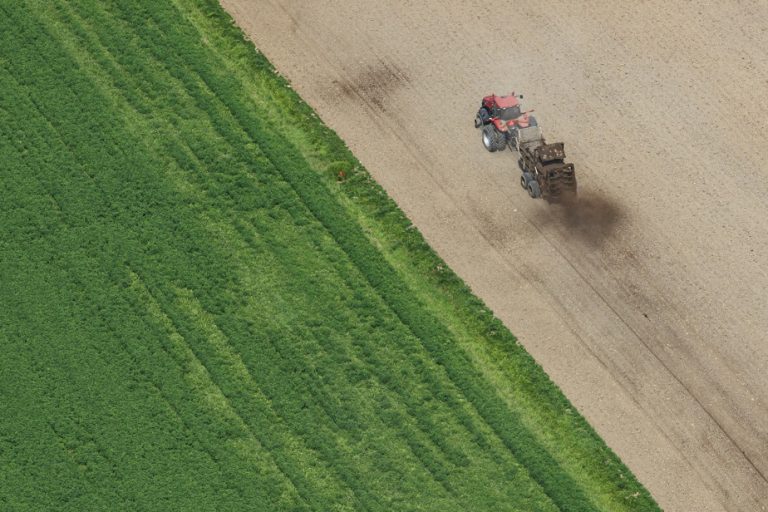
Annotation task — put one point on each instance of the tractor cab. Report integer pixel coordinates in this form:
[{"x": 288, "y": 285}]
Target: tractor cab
[{"x": 505, "y": 108}]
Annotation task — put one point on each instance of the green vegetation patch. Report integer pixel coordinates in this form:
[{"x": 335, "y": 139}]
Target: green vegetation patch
[{"x": 197, "y": 314}]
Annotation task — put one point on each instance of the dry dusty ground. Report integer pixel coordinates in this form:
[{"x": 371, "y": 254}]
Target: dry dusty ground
[{"x": 647, "y": 304}]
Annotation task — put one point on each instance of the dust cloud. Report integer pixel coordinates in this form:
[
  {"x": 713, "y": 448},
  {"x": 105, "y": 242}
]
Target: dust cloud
[{"x": 591, "y": 218}]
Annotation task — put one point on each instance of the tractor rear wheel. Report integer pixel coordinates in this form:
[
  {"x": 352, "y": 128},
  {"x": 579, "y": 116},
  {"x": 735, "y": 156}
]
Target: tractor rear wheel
[
  {"x": 500, "y": 140},
  {"x": 493, "y": 140},
  {"x": 489, "y": 138}
]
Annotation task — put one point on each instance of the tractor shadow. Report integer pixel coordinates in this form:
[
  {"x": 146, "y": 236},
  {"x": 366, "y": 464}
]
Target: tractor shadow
[{"x": 591, "y": 218}]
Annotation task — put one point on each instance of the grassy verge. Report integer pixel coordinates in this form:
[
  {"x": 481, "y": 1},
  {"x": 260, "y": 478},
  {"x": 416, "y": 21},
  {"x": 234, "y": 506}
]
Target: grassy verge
[{"x": 197, "y": 315}]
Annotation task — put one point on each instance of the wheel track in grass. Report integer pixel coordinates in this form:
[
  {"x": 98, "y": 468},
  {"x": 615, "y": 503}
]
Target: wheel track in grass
[
  {"x": 208, "y": 380},
  {"x": 375, "y": 368}
]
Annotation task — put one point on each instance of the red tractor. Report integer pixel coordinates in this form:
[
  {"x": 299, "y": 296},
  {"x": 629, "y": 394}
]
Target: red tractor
[{"x": 500, "y": 118}]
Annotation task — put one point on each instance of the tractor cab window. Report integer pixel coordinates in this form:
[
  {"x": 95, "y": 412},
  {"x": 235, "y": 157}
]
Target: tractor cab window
[{"x": 507, "y": 114}]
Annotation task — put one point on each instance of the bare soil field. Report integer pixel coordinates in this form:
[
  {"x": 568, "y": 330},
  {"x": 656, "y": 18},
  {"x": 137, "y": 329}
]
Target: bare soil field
[{"x": 648, "y": 302}]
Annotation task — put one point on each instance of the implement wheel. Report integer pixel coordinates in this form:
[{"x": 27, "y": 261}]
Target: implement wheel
[
  {"x": 525, "y": 179},
  {"x": 533, "y": 189}
]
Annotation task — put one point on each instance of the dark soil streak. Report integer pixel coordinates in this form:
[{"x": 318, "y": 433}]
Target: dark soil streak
[{"x": 373, "y": 85}]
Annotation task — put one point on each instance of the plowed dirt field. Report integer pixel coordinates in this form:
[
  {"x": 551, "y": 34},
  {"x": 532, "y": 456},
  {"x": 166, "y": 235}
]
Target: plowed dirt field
[{"x": 647, "y": 303}]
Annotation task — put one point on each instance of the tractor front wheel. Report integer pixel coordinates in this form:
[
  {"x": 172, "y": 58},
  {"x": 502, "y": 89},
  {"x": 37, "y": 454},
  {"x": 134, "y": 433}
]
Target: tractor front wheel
[{"x": 482, "y": 117}]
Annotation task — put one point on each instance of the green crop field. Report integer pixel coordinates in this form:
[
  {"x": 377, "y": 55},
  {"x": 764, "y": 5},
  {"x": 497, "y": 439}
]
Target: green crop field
[{"x": 196, "y": 313}]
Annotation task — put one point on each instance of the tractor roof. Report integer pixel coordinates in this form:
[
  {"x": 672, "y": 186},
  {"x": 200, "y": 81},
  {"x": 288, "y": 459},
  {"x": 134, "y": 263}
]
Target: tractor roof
[{"x": 506, "y": 101}]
